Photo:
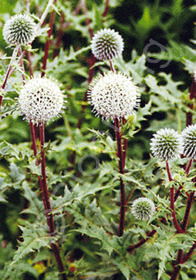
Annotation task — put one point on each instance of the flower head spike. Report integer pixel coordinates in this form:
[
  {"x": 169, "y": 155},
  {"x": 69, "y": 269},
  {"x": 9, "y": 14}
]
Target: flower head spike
[
  {"x": 40, "y": 100},
  {"x": 166, "y": 144},
  {"x": 113, "y": 95},
  {"x": 107, "y": 44},
  {"x": 189, "y": 141},
  {"x": 143, "y": 208},
  {"x": 19, "y": 30}
]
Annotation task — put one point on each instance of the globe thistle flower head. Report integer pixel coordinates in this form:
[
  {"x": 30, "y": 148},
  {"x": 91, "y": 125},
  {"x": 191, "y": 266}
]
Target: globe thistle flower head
[
  {"x": 19, "y": 30},
  {"x": 40, "y": 100},
  {"x": 189, "y": 141},
  {"x": 107, "y": 44},
  {"x": 143, "y": 208},
  {"x": 113, "y": 95},
  {"x": 166, "y": 144}
]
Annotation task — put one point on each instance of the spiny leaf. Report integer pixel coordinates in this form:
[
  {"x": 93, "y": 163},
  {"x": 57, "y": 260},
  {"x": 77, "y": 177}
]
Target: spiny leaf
[{"x": 35, "y": 237}]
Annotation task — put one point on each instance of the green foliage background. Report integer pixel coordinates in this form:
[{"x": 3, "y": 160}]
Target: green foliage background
[{"x": 85, "y": 191}]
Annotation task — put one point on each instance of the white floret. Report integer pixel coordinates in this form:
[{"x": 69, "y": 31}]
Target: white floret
[
  {"x": 113, "y": 95},
  {"x": 40, "y": 100}
]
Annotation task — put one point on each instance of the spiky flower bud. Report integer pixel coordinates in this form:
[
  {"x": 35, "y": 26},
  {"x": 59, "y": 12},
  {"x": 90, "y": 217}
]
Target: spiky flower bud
[
  {"x": 166, "y": 144},
  {"x": 107, "y": 44},
  {"x": 113, "y": 95},
  {"x": 40, "y": 100},
  {"x": 143, "y": 208},
  {"x": 189, "y": 141},
  {"x": 19, "y": 30}
]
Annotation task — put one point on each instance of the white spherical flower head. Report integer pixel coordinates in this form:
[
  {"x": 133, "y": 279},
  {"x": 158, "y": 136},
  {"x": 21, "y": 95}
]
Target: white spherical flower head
[
  {"x": 113, "y": 95},
  {"x": 19, "y": 30},
  {"x": 40, "y": 100},
  {"x": 107, "y": 44},
  {"x": 189, "y": 141},
  {"x": 143, "y": 208},
  {"x": 166, "y": 144}
]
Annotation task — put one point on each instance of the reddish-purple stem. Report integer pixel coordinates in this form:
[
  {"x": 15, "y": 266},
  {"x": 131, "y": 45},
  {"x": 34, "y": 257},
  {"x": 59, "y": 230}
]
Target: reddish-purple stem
[
  {"x": 106, "y": 8},
  {"x": 142, "y": 241},
  {"x": 189, "y": 253},
  {"x": 168, "y": 171},
  {"x": 22, "y": 66},
  {"x": 179, "y": 256},
  {"x": 30, "y": 64},
  {"x": 125, "y": 143},
  {"x": 175, "y": 222},
  {"x": 8, "y": 73},
  {"x": 177, "y": 193},
  {"x": 48, "y": 42},
  {"x": 177, "y": 268},
  {"x": 189, "y": 115},
  {"x": 92, "y": 61},
  {"x": 175, "y": 272},
  {"x": 62, "y": 28},
  {"x": 46, "y": 201},
  {"x": 1, "y": 100},
  {"x": 112, "y": 66},
  {"x": 33, "y": 138},
  {"x": 187, "y": 170},
  {"x": 121, "y": 170},
  {"x": 187, "y": 211},
  {"x": 88, "y": 22},
  {"x": 45, "y": 189}
]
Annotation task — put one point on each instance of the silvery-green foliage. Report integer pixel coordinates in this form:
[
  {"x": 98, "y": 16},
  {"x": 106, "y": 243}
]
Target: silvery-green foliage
[{"x": 84, "y": 192}]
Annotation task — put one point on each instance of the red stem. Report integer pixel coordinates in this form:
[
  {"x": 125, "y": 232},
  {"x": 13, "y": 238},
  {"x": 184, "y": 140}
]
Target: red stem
[
  {"x": 22, "y": 65},
  {"x": 106, "y": 9},
  {"x": 177, "y": 193},
  {"x": 121, "y": 170},
  {"x": 125, "y": 143},
  {"x": 33, "y": 137},
  {"x": 48, "y": 42},
  {"x": 45, "y": 189},
  {"x": 62, "y": 28},
  {"x": 142, "y": 241},
  {"x": 59, "y": 36},
  {"x": 168, "y": 171},
  {"x": 92, "y": 61},
  {"x": 176, "y": 269},
  {"x": 46, "y": 201},
  {"x": 9, "y": 72},
  {"x": 179, "y": 256},
  {"x": 88, "y": 22},
  {"x": 112, "y": 66},
  {"x": 187, "y": 170},
  {"x": 6, "y": 77},
  {"x": 175, "y": 272},
  {"x": 188, "y": 209},
  {"x": 175, "y": 222},
  {"x": 1, "y": 100},
  {"x": 30, "y": 64},
  {"x": 189, "y": 115},
  {"x": 189, "y": 253}
]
